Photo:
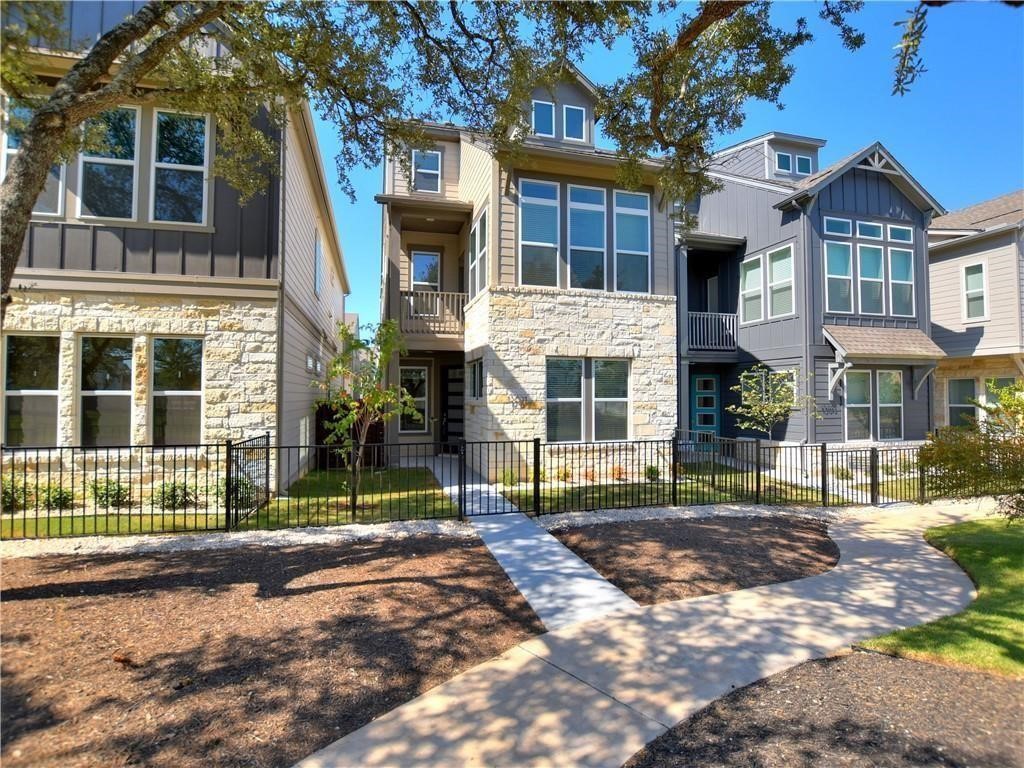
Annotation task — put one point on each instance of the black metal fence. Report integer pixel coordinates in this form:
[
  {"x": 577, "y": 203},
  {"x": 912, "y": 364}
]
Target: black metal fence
[{"x": 253, "y": 484}]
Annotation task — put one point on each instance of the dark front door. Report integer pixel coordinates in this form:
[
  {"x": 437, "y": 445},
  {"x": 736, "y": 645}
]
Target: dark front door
[{"x": 453, "y": 382}]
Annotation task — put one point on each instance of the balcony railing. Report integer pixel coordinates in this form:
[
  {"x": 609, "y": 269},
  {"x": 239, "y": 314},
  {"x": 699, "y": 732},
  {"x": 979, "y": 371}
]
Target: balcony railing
[
  {"x": 712, "y": 331},
  {"x": 433, "y": 312}
]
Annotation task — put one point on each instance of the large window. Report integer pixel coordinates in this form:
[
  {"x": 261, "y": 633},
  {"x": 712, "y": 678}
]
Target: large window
[
  {"x": 611, "y": 399},
  {"x": 586, "y": 237},
  {"x": 858, "y": 405},
  {"x": 632, "y": 242},
  {"x": 177, "y": 391},
  {"x": 51, "y": 199},
  {"x": 414, "y": 380},
  {"x": 478, "y": 255},
  {"x": 890, "y": 405},
  {"x": 543, "y": 119},
  {"x": 975, "y": 289},
  {"x": 107, "y": 174},
  {"x": 564, "y": 400},
  {"x": 538, "y": 233},
  {"x": 574, "y": 123},
  {"x": 577, "y": 386},
  {"x": 780, "y": 282},
  {"x": 426, "y": 170},
  {"x": 106, "y": 391},
  {"x": 30, "y": 382},
  {"x": 870, "y": 280},
  {"x": 838, "y": 277},
  {"x": 901, "y": 282},
  {"x": 751, "y": 305},
  {"x": 180, "y": 163},
  {"x": 961, "y": 397}
]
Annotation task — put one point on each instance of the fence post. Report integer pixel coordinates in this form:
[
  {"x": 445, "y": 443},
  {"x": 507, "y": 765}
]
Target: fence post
[
  {"x": 874, "y": 476},
  {"x": 228, "y": 490},
  {"x": 266, "y": 487},
  {"x": 675, "y": 468},
  {"x": 353, "y": 490},
  {"x": 757, "y": 470},
  {"x": 922, "y": 490},
  {"x": 824, "y": 475},
  {"x": 536, "y": 475},
  {"x": 462, "y": 479}
]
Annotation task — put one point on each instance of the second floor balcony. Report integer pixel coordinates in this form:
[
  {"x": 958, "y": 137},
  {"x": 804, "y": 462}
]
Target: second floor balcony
[
  {"x": 712, "y": 331},
  {"x": 428, "y": 313}
]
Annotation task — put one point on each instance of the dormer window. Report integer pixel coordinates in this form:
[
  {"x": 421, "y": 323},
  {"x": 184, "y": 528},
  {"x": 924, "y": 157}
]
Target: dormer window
[
  {"x": 803, "y": 165},
  {"x": 544, "y": 119},
  {"x": 784, "y": 162},
  {"x": 426, "y": 170},
  {"x": 574, "y": 123}
]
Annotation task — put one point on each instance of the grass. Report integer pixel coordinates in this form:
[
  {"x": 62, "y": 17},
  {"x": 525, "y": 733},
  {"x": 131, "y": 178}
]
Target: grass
[{"x": 989, "y": 634}]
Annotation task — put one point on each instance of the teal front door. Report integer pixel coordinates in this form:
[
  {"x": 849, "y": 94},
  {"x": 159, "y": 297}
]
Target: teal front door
[{"x": 705, "y": 403}]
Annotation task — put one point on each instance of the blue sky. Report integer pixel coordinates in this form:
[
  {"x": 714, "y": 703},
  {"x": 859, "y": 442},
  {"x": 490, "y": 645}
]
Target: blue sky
[{"x": 960, "y": 131}]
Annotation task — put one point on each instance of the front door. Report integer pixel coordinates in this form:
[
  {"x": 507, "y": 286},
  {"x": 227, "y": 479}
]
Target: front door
[
  {"x": 453, "y": 378},
  {"x": 705, "y": 404}
]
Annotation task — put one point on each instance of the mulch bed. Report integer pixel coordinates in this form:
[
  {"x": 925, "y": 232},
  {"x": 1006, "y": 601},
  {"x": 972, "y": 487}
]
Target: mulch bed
[
  {"x": 862, "y": 709},
  {"x": 250, "y": 656},
  {"x": 655, "y": 561}
]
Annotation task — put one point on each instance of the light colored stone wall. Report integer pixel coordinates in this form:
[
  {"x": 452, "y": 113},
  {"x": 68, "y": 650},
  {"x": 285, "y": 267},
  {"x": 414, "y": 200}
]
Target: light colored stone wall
[
  {"x": 981, "y": 369},
  {"x": 239, "y": 353}
]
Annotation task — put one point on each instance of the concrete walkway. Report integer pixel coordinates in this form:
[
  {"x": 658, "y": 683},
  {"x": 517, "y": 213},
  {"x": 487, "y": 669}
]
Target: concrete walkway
[{"x": 592, "y": 694}]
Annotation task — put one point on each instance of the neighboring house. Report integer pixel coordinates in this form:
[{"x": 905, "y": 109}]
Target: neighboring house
[
  {"x": 536, "y": 297},
  {"x": 150, "y": 308},
  {"x": 976, "y": 268},
  {"x": 822, "y": 272}
]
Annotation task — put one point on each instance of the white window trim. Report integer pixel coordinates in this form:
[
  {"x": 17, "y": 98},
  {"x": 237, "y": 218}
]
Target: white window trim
[
  {"x": 849, "y": 278},
  {"x": 879, "y": 405},
  {"x": 869, "y": 406},
  {"x": 61, "y": 184},
  {"x": 436, "y": 287},
  {"x": 963, "y": 292},
  {"x": 862, "y": 279},
  {"x": 425, "y": 426},
  {"x": 82, "y": 159},
  {"x": 881, "y": 228},
  {"x": 615, "y": 239},
  {"x": 428, "y": 172},
  {"x": 791, "y": 281},
  {"x": 594, "y": 400},
  {"x": 837, "y": 234},
  {"x": 760, "y": 290},
  {"x": 533, "y": 125},
  {"x": 556, "y": 204},
  {"x": 894, "y": 282},
  {"x": 549, "y": 399},
  {"x": 154, "y": 392},
  {"x": 603, "y": 208},
  {"x": 891, "y": 227},
  {"x": 810, "y": 165},
  {"x": 204, "y": 168},
  {"x": 475, "y": 278},
  {"x": 780, "y": 169},
  {"x": 565, "y": 122},
  {"x": 950, "y": 404},
  {"x": 80, "y": 393}
]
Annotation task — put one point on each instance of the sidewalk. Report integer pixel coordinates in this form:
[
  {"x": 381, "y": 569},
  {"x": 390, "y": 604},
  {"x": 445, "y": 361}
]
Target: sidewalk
[{"x": 594, "y": 693}]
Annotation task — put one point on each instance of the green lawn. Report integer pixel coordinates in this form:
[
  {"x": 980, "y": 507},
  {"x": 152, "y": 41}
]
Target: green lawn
[
  {"x": 989, "y": 634},
  {"x": 73, "y": 523}
]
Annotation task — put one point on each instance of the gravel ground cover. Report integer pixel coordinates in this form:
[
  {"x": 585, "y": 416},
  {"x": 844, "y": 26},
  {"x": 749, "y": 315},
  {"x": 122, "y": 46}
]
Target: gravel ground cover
[
  {"x": 655, "y": 561},
  {"x": 249, "y": 656},
  {"x": 861, "y": 710}
]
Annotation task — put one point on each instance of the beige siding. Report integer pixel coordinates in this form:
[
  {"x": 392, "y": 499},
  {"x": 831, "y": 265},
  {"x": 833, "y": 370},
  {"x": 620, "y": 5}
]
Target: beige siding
[
  {"x": 451, "y": 248},
  {"x": 474, "y": 175},
  {"x": 449, "y": 150},
  {"x": 1001, "y": 333}
]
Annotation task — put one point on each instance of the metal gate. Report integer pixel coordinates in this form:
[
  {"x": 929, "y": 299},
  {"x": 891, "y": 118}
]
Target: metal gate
[{"x": 247, "y": 478}]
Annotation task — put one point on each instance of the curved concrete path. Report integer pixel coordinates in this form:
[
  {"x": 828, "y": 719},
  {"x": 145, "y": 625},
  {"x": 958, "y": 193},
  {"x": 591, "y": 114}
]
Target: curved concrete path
[{"x": 594, "y": 693}]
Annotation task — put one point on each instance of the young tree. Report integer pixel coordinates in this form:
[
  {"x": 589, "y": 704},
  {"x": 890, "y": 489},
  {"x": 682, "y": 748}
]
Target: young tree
[
  {"x": 357, "y": 393},
  {"x": 767, "y": 398}
]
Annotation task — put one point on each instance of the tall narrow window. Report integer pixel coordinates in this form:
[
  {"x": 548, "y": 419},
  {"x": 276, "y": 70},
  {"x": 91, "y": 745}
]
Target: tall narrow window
[
  {"x": 890, "y": 405},
  {"x": 574, "y": 123},
  {"x": 30, "y": 383},
  {"x": 543, "y": 119},
  {"x": 414, "y": 380},
  {"x": 858, "y": 405},
  {"x": 426, "y": 283},
  {"x": 426, "y": 170},
  {"x": 51, "y": 199},
  {"x": 538, "y": 233},
  {"x": 611, "y": 399},
  {"x": 564, "y": 400},
  {"x": 961, "y": 396},
  {"x": 901, "y": 282},
  {"x": 106, "y": 179},
  {"x": 475, "y": 378},
  {"x": 780, "y": 282},
  {"x": 106, "y": 391},
  {"x": 975, "y": 289},
  {"x": 751, "y": 305},
  {"x": 838, "y": 277},
  {"x": 478, "y": 255},
  {"x": 318, "y": 264},
  {"x": 586, "y": 237},
  {"x": 180, "y": 162},
  {"x": 632, "y": 242},
  {"x": 177, "y": 391},
  {"x": 870, "y": 279}
]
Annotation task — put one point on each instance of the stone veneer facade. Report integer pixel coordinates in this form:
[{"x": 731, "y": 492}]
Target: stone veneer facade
[
  {"x": 239, "y": 353},
  {"x": 981, "y": 369}
]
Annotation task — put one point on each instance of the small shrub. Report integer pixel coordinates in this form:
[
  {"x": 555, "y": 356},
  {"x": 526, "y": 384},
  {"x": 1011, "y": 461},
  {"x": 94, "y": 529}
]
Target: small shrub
[
  {"x": 842, "y": 473},
  {"x": 652, "y": 473},
  {"x": 58, "y": 497},
  {"x": 110, "y": 493},
  {"x": 564, "y": 474},
  {"x": 509, "y": 477},
  {"x": 14, "y": 495},
  {"x": 618, "y": 472},
  {"x": 175, "y": 496}
]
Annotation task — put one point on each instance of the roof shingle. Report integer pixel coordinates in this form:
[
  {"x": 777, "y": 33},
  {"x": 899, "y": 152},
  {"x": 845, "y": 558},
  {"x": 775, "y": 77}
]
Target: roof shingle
[
  {"x": 1007, "y": 209},
  {"x": 887, "y": 343}
]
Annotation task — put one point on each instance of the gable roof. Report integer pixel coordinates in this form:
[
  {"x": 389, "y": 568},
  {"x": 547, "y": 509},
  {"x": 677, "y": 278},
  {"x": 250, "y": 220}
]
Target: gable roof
[
  {"x": 1006, "y": 209},
  {"x": 791, "y": 138},
  {"x": 874, "y": 158},
  {"x": 585, "y": 82}
]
